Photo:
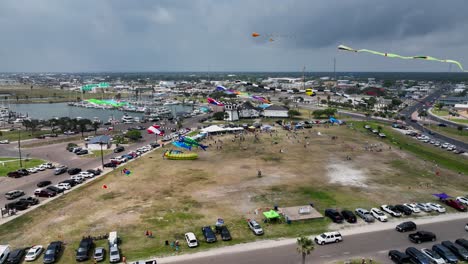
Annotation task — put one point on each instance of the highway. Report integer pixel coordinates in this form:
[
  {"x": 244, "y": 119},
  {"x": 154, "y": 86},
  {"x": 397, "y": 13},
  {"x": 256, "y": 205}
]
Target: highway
[{"x": 373, "y": 245}]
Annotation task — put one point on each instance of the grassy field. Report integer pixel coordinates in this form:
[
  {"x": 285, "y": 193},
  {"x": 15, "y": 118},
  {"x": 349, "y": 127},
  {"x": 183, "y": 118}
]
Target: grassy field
[
  {"x": 451, "y": 132},
  {"x": 12, "y": 164},
  {"x": 24, "y": 94},
  {"x": 441, "y": 112},
  {"x": 459, "y": 120},
  {"x": 13, "y": 135},
  {"x": 422, "y": 150},
  {"x": 171, "y": 198}
]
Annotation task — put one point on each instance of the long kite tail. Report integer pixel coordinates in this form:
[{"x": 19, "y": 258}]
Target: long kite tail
[
  {"x": 203, "y": 147},
  {"x": 392, "y": 55}
]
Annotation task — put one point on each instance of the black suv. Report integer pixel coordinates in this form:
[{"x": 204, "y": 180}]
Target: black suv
[
  {"x": 417, "y": 256},
  {"x": 74, "y": 171},
  {"x": 18, "y": 205},
  {"x": 18, "y": 174},
  {"x": 83, "y": 251},
  {"x": 52, "y": 253},
  {"x": 406, "y": 226},
  {"x": 398, "y": 256},
  {"x": 403, "y": 209},
  {"x": 29, "y": 200},
  {"x": 422, "y": 236},
  {"x": 209, "y": 235},
  {"x": 462, "y": 242},
  {"x": 349, "y": 216},
  {"x": 16, "y": 256},
  {"x": 119, "y": 149},
  {"x": 54, "y": 189},
  {"x": 334, "y": 215},
  {"x": 225, "y": 234},
  {"x": 457, "y": 249}
]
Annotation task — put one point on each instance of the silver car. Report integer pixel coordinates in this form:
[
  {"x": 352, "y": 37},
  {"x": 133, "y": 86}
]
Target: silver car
[
  {"x": 114, "y": 254},
  {"x": 99, "y": 254},
  {"x": 365, "y": 215}
]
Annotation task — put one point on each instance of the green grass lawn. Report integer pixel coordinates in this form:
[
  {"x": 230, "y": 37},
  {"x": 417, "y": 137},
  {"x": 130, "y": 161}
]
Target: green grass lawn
[
  {"x": 6, "y": 166},
  {"x": 424, "y": 151},
  {"x": 441, "y": 112},
  {"x": 459, "y": 120},
  {"x": 451, "y": 132},
  {"x": 13, "y": 135}
]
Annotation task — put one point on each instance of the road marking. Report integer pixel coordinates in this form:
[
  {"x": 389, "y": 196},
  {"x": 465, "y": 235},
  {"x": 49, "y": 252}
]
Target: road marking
[
  {"x": 346, "y": 253},
  {"x": 325, "y": 256}
]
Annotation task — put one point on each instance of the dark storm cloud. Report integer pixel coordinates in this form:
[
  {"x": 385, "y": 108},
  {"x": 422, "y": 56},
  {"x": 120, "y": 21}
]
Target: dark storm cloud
[{"x": 121, "y": 35}]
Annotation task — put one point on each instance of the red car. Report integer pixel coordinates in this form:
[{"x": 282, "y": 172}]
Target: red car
[{"x": 455, "y": 204}]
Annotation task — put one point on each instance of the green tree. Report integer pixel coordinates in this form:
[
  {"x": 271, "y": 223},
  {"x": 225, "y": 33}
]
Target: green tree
[
  {"x": 218, "y": 115},
  {"x": 323, "y": 101},
  {"x": 134, "y": 135},
  {"x": 388, "y": 83},
  {"x": 439, "y": 106},
  {"x": 83, "y": 125},
  {"x": 96, "y": 126},
  {"x": 119, "y": 139},
  {"x": 305, "y": 246},
  {"x": 460, "y": 129},
  {"x": 293, "y": 113}
]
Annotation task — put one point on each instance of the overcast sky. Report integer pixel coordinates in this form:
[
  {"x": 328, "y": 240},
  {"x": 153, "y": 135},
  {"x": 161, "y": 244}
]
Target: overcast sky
[{"x": 215, "y": 35}]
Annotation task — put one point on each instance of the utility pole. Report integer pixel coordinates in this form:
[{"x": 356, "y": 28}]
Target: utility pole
[
  {"x": 334, "y": 67},
  {"x": 303, "y": 78},
  {"x": 19, "y": 147}
]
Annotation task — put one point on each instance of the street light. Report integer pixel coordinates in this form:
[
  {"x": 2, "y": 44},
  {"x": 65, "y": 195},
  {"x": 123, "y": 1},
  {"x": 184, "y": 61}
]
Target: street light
[
  {"x": 19, "y": 147},
  {"x": 102, "y": 155}
]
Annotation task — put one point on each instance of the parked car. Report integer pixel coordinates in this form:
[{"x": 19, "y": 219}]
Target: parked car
[
  {"x": 462, "y": 242},
  {"x": 60, "y": 170},
  {"x": 445, "y": 253},
  {"x": 6, "y": 141},
  {"x": 413, "y": 207},
  {"x": 462, "y": 200},
  {"x": 422, "y": 236},
  {"x": 454, "y": 204},
  {"x": 255, "y": 227},
  {"x": 16, "y": 256},
  {"x": 119, "y": 149},
  {"x": 110, "y": 165},
  {"x": 225, "y": 234},
  {"x": 84, "y": 249},
  {"x": 86, "y": 174},
  {"x": 458, "y": 250},
  {"x": 71, "y": 182},
  {"x": 54, "y": 189},
  {"x": 17, "y": 205},
  {"x": 95, "y": 172},
  {"x": 43, "y": 183},
  {"x": 155, "y": 145},
  {"x": 390, "y": 209},
  {"x": 349, "y": 216},
  {"x": 417, "y": 256},
  {"x": 191, "y": 240},
  {"x": 14, "y": 194},
  {"x": 433, "y": 256},
  {"x": 114, "y": 254},
  {"x": 424, "y": 207},
  {"x": 99, "y": 254},
  {"x": 365, "y": 215},
  {"x": 63, "y": 186},
  {"x": 18, "y": 173},
  {"x": 29, "y": 200},
  {"x": 74, "y": 171},
  {"x": 436, "y": 207},
  {"x": 403, "y": 209},
  {"x": 44, "y": 193},
  {"x": 379, "y": 215},
  {"x": 82, "y": 152},
  {"x": 209, "y": 235},
  {"x": 398, "y": 257},
  {"x": 53, "y": 252},
  {"x": 34, "y": 253},
  {"x": 334, "y": 215},
  {"x": 32, "y": 170},
  {"x": 328, "y": 237}
]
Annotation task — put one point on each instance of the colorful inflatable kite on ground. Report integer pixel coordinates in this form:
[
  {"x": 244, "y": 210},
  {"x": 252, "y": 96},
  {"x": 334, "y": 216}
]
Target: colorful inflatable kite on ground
[
  {"x": 188, "y": 142},
  {"x": 392, "y": 55},
  {"x": 154, "y": 129},
  {"x": 179, "y": 155},
  {"x": 214, "y": 102}
]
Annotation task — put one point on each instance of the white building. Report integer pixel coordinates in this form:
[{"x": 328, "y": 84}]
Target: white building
[{"x": 275, "y": 111}]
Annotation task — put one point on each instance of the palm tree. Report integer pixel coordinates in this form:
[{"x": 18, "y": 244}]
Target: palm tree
[
  {"x": 305, "y": 246},
  {"x": 82, "y": 125},
  {"x": 95, "y": 125}
]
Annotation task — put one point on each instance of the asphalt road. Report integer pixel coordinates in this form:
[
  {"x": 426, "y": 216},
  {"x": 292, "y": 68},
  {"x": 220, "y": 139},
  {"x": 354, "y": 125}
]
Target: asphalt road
[
  {"x": 373, "y": 245},
  {"x": 57, "y": 153}
]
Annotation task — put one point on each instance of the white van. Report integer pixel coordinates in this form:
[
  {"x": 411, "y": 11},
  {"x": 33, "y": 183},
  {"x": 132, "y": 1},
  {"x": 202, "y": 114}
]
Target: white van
[
  {"x": 4, "y": 251},
  {"x": 329, "y": 237},
  {"x": 113, "y": 238}
]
